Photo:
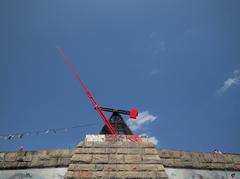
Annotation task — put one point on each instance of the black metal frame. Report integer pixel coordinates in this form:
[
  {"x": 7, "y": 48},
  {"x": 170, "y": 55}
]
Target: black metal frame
[{"x": 117, "y": 122}]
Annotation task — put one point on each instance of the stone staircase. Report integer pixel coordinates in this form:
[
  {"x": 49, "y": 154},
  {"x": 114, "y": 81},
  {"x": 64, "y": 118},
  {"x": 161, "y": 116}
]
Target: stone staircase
[{"x": 116, "y": 160}]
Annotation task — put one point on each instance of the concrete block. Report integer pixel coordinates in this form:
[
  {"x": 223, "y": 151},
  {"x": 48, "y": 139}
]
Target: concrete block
[
  {"x": 100, "y": 158},
  {"x": 130, "y": 150},
  {"x": 151, "y": 151},
  {"x": 82, "y": 158},
  {"x": 132, "y": 158},
  {"x": 63, "y": 161},
  {"x": 99, "y": 167},
  {"x": 10, "y": 157},
  {"x": 116, "y": 158},
  {"x": 81, "y": 167},
  {"x": 2, "y": 157},
  {"x": 150, "y": 159}
]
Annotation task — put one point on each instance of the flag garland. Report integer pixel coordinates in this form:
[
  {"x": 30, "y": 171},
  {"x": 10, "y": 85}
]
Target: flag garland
[{"x": 20, "y": 135}]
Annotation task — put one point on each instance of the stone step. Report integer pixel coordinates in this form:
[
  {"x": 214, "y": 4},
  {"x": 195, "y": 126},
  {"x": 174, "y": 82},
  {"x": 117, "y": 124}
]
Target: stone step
[
  {"x": 116, "y": 175},
  {"x": 116, "y": 159}
]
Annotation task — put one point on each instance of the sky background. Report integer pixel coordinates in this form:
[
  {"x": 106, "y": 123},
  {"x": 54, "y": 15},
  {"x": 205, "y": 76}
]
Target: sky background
[{"x": 177, "y": 62}]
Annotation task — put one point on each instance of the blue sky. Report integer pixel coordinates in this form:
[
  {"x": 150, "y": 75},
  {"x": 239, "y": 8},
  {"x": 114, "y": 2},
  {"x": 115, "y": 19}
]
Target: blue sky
[{"x": 178, "y": 62}]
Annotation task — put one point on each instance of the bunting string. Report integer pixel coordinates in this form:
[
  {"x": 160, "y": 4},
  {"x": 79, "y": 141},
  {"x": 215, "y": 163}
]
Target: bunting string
[{"x": 20, "y": 135}]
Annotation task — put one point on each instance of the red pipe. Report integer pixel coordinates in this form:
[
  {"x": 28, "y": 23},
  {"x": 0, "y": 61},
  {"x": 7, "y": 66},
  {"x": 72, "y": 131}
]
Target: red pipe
[{"x": 94, "y": 103}]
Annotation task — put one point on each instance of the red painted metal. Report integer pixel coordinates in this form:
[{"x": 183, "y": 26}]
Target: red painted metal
[
  {"x": 117, "y": 138},
  {"x": 90, "y": 96},
  {"x": 134, "y": 138},
  {"x": 133, "y": 113}
]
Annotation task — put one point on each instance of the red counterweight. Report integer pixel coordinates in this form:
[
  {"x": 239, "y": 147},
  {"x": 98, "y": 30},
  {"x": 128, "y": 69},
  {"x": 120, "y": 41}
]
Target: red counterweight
[{"x": 133, "y": 113}]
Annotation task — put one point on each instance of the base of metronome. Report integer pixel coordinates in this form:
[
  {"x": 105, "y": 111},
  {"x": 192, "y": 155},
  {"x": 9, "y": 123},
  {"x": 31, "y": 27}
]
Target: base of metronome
[
  {"x": 115, "y": 138},
  {"x": 115, "y": 156}
]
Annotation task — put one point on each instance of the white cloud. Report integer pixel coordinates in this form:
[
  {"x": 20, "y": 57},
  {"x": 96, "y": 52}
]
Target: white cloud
[
  {"x": 231, "y": 81},
  {"x": 154, "y": 72},
  {"x": 142, "y": 119},
  {"x": 236, "y": 72},
  {"x": 152, "y": 139}
]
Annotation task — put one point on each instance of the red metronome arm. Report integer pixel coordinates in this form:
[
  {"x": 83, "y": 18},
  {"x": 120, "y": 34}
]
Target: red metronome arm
[{"x": 94, "y": 103}]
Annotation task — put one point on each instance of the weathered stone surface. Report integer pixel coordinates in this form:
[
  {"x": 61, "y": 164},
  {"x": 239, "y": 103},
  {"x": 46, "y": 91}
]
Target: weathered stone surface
[
  {"x": 130, "y": 150},
  {"x": 35, "y": 159},
  {"x": 85, "y": 144},
  {"x": 169, "y": 158},
  {"x": 132, "y": 158},
  {"x": 111, "y": 150},
  {"x": 63, "y": 162},
  {"x": 117, "y": 175},
  {"x": 99, "y": 167},
  {"x": 10, "y": 157},
  {"x": 236, "y": 159},
  {"x": 151, "y": 159},
  {"x": 133, "y": 167},
  {"x": 130, "y": 174},
  {"x": 237, "y": 167},
  {"x": 151, "y": 167},
  {"x": 44, "y": 163},
  {"x": 122, "y": 159},
  {"x": 169, "y": 154},
  {"x": 82, "y": 158},
  {"x": 186, "y": 156},
  {"x": 71, "y": 174},
  {"x": 8, "y": 165},
  {"x": 59, "y": 153},
  {"x": 116, "y": 150},
  {"x": 27, "y": 157},
  {"x": 20, "y": 156},
  {"x": 198, "y": 160},
  {"x": 113, "y": 158},
  {"x": 150, "y": 151},
  {"x": 2, "y": 156},
  {"x": 81, "y": 167},
  {"x": 100, "y": 158},
  {"x": 90, "y": 151},
  {"x": 23, "y": 164},
  {"x": 121, "y": 144},
  {"x": 206, "y": 158}
]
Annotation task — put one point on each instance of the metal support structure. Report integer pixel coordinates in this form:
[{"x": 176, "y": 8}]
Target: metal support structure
[
  {"x": 120, "y": 111},
  {"x": 133, "y": 113},
  {"x": 119, "y": 125}
]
